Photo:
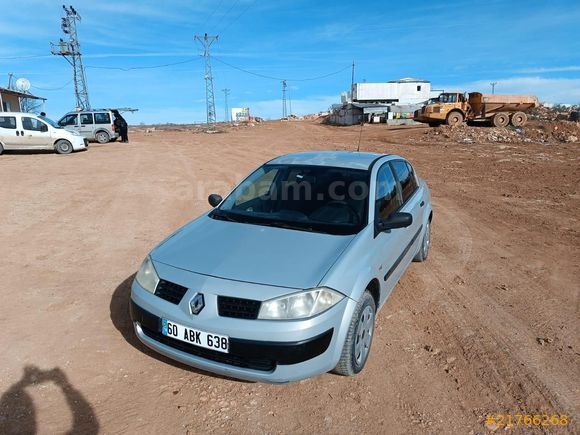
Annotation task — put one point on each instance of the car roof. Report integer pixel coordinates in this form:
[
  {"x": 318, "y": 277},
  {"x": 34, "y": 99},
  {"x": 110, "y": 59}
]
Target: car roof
[
  {"x": 340, "y": 159},
  {"x": 17, "y": 113}
]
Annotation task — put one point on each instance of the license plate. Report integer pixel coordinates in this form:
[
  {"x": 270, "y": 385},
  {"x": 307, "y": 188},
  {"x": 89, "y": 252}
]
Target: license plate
[{"x": 196, "y": 337}]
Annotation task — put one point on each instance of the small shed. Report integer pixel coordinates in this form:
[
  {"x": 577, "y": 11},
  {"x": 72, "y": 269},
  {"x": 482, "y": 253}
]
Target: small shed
[{"x": 11, "y": 100}]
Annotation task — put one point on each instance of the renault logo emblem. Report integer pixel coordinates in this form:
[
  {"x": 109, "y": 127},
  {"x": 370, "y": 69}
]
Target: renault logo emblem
[{"x": 197, "y": 303}]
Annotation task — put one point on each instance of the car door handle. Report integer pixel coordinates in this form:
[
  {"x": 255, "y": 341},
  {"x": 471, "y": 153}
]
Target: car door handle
[{"x": 422, "y": 204}]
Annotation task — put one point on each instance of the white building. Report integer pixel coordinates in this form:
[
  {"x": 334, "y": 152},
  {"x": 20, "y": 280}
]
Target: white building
[{"x": 405, "y": 91}]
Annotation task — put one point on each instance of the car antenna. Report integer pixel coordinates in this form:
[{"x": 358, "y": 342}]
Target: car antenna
[{"x": 360, "y": 136}]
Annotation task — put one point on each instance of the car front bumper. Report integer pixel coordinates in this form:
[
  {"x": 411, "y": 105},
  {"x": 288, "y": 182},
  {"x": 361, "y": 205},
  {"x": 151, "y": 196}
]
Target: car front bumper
[{"x": 259, "y": 350}]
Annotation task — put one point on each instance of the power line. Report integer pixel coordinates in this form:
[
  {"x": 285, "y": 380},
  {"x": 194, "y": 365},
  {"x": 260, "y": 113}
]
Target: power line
[
  {"x": 265, "y": 76},
  {"x": 227, "y": 12},
  {"x": 238, "y": 17},
  {"x": 53, "y": 89},
  {"x": 164, "y": 65}
]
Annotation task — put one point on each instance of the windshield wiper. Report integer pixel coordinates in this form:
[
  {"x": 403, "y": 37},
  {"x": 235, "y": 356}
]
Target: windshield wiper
[{"x": 218, "y": 214}]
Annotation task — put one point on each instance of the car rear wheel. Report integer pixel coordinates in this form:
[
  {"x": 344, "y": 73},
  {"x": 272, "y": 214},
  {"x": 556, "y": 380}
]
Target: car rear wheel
[
  {"x": 1, "y": 149},
  {"x": 425, "y": 244},
  {"x": 63, "y": 147},
  {"x": 359, "y": 337},
  {"x": 103, "y": 137}
]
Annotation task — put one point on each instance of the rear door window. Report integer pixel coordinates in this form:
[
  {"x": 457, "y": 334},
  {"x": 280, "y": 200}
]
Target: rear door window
[
  {"x": 406, "y": 177},
  {"x": 8, "y": 122},
  {"x": 86, "y": 118},
  {"x": 68, "y": 120},
  {"x": 102, "y": 118}
]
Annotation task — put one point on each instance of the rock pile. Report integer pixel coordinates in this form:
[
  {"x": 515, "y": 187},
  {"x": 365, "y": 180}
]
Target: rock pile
[{"x": 534, "y": 131}]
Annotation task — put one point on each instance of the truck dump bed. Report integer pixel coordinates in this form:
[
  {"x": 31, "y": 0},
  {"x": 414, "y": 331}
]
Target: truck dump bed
[{"x": 487, "y": 104}]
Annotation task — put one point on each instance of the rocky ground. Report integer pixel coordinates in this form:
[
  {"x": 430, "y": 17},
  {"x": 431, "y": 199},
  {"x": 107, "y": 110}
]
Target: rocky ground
[{"x": 487, "y": 326}]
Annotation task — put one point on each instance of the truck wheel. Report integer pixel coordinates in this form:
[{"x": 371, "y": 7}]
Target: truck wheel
[
  {"x": 103, "y": 137},
  {"x": 359, "y": 337},
  {"x": 454, "y": 118},
  {"x": 501, "y": 119},
  {"x": 63, "y": 147},
  {"x": 519, "y": 119}
]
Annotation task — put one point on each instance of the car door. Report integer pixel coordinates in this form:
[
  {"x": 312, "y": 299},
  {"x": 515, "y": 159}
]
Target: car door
[
  {"x": 36, "y": 133},
  {"x": 414, "y": 203},
  {"x": 87, "y": 128},
  {"x": 9, "y": 133},
  {"x": 388, "y": 246},
  {"x": 70, "y": 122}
]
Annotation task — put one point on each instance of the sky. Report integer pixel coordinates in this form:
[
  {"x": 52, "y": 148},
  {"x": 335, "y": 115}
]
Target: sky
[{"x": 529, "y": 46}]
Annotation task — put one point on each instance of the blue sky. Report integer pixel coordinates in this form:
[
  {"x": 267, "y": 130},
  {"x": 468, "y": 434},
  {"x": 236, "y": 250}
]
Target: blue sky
[{"x": 526, "y": 46}]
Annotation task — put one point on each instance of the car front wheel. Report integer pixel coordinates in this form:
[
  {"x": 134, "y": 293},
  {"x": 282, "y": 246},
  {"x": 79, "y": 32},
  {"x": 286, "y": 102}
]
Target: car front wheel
[
  {"x": 425, "y": 244},
  {"x": 359, "y": 337},
  {"x": 63, "y": 147}
]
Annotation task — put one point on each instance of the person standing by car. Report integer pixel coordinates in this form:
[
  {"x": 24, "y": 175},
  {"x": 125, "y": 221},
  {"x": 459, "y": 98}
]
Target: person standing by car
[{"x": 121, "y": 126}]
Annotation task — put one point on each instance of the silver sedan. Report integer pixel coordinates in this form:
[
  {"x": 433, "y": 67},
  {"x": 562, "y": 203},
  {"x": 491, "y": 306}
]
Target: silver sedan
[{"x": 283, "y": 278}]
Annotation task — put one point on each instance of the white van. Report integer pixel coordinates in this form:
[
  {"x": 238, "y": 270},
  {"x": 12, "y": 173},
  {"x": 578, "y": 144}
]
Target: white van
[{"x": 26, "y": 131}]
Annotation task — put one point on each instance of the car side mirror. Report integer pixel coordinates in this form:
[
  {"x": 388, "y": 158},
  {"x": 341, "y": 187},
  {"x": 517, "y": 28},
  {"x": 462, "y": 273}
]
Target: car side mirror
[
  {"x": 214, "y": 199},
  {"x": 43, "y": 128},
  {"x": 396, "y": 220}
]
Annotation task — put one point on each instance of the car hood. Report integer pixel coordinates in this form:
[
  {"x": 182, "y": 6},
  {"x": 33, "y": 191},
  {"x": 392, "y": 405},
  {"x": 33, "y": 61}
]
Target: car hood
[{"x": 252, "y": 253}]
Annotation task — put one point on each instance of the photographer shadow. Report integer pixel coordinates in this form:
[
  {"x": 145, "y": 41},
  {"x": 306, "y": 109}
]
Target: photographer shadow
[{"x": 18, "y": 413}]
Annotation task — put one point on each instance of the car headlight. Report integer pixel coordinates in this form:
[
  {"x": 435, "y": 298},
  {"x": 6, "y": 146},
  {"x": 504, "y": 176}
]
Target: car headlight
[
  {"x": 300, "y": 305},
  {"x": 147, "y": 276}
]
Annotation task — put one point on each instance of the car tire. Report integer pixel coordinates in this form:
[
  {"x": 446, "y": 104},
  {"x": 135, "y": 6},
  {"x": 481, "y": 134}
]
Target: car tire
[
  {"x": 63, "y": 147},
  {"x": 425, "y": 244},
  {"x": 102, "y": 137},
  {"x": 1, "y": 149},
  {"x": 359, "y": 338}
]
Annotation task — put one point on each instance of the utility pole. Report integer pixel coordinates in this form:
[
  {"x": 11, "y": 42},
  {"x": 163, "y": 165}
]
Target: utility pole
[
  {"x": 352, "y": 78},
  {"x": 284, "y": 111},
  {"x": 206, "y": 42},
  {"x": 493, "y": 87},
  {"x": 70, "y": 49},
  {"x": 10, "y": 77},
  {"x": 226, "y": 92}
]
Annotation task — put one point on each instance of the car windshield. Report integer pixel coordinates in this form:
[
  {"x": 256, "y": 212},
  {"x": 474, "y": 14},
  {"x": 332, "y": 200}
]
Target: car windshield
[
  {"x": 308, "y": 198},
  {"x": 50, "y": 121}
]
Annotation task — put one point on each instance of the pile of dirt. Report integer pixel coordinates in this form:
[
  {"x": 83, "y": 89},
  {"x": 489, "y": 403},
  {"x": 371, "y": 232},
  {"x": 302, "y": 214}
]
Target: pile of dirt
[
  {"x": 534, "y": 131},
  {"x": 553, "y": 113}
]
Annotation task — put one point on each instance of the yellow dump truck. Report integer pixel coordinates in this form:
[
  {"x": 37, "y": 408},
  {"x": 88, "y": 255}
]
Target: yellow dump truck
[{"x": 452, "y": 108}]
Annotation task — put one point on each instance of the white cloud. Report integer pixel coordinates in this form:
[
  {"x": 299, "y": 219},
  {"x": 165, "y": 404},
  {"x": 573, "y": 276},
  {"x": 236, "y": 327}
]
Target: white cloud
[
  {"x": 540, "y": 70},
  {"x": 549, "y": 90}
]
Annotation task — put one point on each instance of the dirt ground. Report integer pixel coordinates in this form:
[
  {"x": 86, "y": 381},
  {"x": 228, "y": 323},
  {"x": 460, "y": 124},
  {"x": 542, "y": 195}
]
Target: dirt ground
[{"x": 489, "y": 325}]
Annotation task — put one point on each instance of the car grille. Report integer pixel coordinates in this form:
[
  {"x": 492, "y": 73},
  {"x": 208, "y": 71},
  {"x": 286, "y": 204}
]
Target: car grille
[
  {"x": 170, "y": 291},
  {"x": 262, "y": 364},
  {"x": 238, "y": 308}
]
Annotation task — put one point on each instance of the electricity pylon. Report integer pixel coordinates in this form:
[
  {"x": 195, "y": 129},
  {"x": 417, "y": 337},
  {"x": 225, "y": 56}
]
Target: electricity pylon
[
  {"x": 226, "y": 92},
  {"x": 206, "y": 42},
  {"x": 284, "y": 110},
  {"x": 70, "y": 49}
]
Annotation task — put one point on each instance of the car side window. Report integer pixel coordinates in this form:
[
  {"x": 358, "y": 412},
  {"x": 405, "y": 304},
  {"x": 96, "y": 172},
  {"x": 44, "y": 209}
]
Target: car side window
[
  {"x": 102, "y": 118},
  {"x": 33, "y": 124},
  {"x": 86, "y": 118},
  {"x": 387, "y": 199},
  {"x": 68, "y": 120},
  {"x": 8, "y": 122},
  {"x": 406, "y": 178}
]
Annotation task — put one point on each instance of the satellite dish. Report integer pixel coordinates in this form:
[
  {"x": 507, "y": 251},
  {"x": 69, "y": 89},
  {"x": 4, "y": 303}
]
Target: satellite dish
[{"x": 23, "y": 85}]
